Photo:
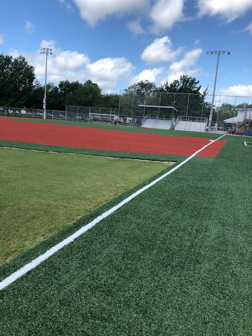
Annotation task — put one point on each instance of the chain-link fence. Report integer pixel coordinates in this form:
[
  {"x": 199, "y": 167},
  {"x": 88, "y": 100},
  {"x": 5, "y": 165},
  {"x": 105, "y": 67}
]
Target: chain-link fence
[
  {"x": 184, "y": 104},
  {"x": 90, "y": 114},
  {"x": 187, "y": 104},
  {"x": 135, "y": 109},
  {"x": 31, "y": 113}
]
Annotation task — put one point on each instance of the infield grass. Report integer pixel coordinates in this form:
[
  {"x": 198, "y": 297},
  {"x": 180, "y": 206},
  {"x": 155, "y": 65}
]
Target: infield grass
[{"x": 41, "y": 193}]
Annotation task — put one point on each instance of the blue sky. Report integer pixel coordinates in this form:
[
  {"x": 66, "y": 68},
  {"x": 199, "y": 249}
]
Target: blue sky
[{"x": 116, "y": 43}]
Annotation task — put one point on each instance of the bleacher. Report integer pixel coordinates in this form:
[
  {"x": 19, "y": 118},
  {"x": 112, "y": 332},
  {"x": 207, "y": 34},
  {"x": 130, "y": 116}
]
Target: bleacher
[
  {"x": 157, "y": 123},
  {"x": 195, "y": 124},
  {"x": 190, "y": 126},
  {"x": 181, "y": 124}
]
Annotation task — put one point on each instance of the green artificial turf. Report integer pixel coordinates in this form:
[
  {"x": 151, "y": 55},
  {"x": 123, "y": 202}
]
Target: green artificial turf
[
  {"x": 43, "y": 193},
  {"x": 176, "y": 260}
]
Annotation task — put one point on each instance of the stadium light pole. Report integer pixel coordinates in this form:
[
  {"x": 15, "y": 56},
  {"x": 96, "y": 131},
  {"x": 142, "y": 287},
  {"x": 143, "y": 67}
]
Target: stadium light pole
[
  {"x": 45, "y": 51},
  {"x": 218, "y": 53}
]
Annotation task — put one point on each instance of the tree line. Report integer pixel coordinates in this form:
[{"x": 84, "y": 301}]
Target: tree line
[{"x": 20, "y": 88}]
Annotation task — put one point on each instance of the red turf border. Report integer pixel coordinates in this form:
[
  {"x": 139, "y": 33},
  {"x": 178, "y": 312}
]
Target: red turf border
[{"x": 111, "y": 140}]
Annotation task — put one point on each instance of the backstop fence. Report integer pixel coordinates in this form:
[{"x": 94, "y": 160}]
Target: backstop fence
[
  {"x": 187, "y": 104},
  {"x": 135, "y": 108}
]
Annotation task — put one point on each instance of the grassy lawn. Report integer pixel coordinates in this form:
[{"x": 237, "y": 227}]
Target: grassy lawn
[{"x": 42, "y": 193}]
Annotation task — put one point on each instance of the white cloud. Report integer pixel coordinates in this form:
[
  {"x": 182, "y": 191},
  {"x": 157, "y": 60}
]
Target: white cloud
[
  {"x": 249, "y": 28},
  {"x": 29, "y": 27},
  {"x": 70, "y": 60},
  {"x": 107, "y": 72},
  {"x": 189, "y": 59},
  {"x": 47, "y": 44},
  {"x": 14, "y": 53},
  {"x": 228, "y": 9},
  {"x": 237, "y": 90},
  {"x": 162, "y": 14},
  {"x": 135, "y": 27},
  {"x": 61, "y": 65},
  {"x": 160, "y": 51},
  {"x": 1, "y": 38},
  {"x": 66, "y": 4},
  {"x": 148, "y": 74},
  {"x": 74, "y": 66},
  {"x": 183, "y": 67},
  {"x": 93, "y": 11},
  {"x": 165, "y": 13}
]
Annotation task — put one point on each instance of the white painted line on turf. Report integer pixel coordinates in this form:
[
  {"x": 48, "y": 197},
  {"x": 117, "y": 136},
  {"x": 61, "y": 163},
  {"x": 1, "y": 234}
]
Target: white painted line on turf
[{"x": 34, "y": 263}]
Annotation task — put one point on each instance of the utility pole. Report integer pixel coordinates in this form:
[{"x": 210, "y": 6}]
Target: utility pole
[
  {"x": 218, "y": 53},
  {"x": 45, "y": 51}
]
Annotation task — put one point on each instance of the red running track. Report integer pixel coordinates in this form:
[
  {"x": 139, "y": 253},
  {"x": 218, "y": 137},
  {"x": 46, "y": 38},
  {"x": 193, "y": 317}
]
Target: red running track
[{"x": 111, "y": 140}]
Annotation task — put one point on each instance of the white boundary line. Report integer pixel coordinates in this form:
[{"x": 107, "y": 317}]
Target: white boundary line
[{"x": 34, "y": 263}]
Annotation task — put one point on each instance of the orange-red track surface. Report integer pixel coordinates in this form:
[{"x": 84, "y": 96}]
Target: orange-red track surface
[{"x": 111, "y": 140}]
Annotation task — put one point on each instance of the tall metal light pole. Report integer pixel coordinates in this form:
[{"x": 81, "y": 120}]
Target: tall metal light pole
[
  {"x": 215, "y": 80},
  {"x": 45, "y": 51}
]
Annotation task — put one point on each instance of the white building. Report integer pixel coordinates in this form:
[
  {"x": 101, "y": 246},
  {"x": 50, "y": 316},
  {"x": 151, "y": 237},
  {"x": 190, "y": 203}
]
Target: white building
[{"x": 244, "y": 113}]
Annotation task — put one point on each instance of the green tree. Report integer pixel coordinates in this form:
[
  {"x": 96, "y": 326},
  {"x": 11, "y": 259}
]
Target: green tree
[
  {"x": 37, "y": 95},
  {"x": 141, "y": 93},
  {"x": 77, "y": 94},
  {"x": 53, "y": 101},
  {"x": 185, "y": 84},
  {"x": 67, "y": 93},
  {"x": 142, "y": 89},
  {"x": 110, "y": 101},
  {"x": 90, "y": 94},
  {"x": 16, "y": 81},
  {"x": 184, "y": 94},
  {"x": 224, "y": 111}
]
